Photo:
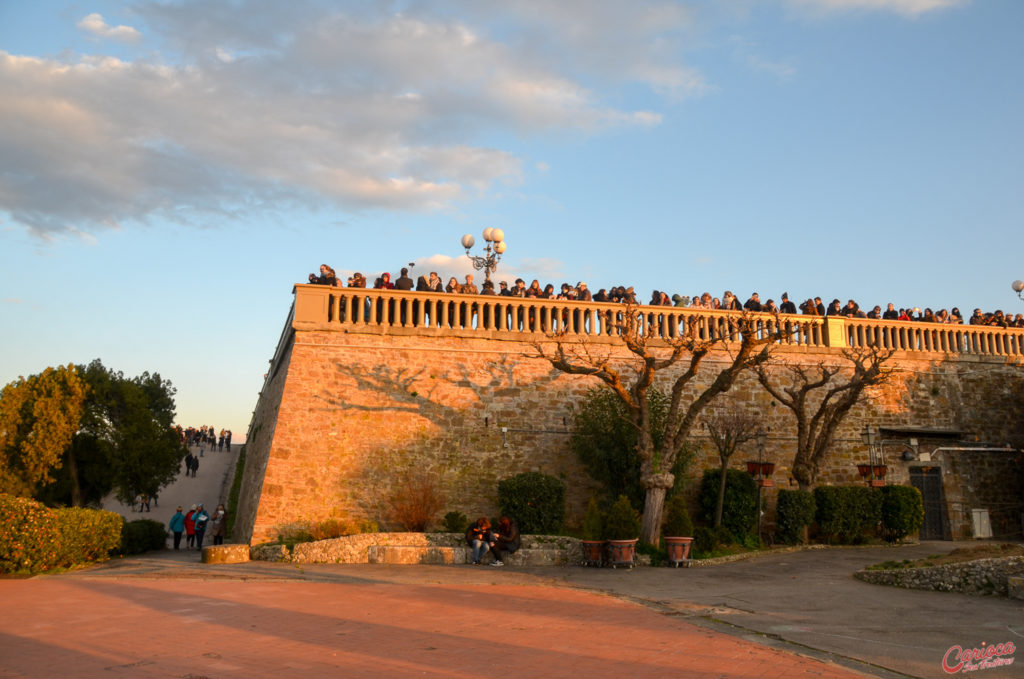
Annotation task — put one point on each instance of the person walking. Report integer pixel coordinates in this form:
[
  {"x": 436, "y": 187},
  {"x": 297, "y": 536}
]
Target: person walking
[
  {"x": 201, "y": 519},
  {"x": 190, "y": 528},
  {"x": 219, "y": 525},
  {"x": 177, "y": 526}
]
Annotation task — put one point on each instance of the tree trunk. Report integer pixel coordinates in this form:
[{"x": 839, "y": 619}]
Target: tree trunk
[
  {"x": 721, "y": 497},
  {"x": 654, "y": 503},
  {"x": 76, "y": 490}
]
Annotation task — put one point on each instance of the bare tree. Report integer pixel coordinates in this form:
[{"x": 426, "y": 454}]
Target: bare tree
[
  {"x": 728, "y": 430},
  {"x": 820, "y": 397},
  {"x": 652, "y": 354}
]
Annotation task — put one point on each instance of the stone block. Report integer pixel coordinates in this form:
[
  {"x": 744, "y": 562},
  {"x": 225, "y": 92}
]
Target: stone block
[
  {"x": 1015, "y": 587},
  {"x": 226, "y": 554}
]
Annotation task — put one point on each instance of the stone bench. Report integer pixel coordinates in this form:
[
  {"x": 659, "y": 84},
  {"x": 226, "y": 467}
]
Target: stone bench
[
  {"x": 407, "y": 554},
  {"x": 417, "y": 548},
  {"x": 226, "y": 554}
]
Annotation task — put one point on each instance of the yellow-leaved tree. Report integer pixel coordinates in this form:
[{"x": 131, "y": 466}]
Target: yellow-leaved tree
[{"x": 39, "y": 415}]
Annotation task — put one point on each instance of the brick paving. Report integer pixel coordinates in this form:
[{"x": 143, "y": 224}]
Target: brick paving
[{"x": 82, "y": 626}]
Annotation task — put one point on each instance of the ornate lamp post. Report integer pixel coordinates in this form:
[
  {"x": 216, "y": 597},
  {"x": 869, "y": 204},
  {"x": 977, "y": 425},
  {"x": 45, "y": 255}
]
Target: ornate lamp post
[
  {"x": 494, "y": 249},
  {"x": 1018, "y": 287},
  {"x": 874, "y": 471},
  {"x": 762, "y": 473}
]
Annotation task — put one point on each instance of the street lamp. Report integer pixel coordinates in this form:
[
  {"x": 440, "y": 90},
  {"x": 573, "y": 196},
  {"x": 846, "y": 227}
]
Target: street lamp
[
  {"x": 874, "y": 471},
  {"x": 494, "y": 249},
  {"x": 1018, "y": 287},
  {"x": 762, "y": 438}
]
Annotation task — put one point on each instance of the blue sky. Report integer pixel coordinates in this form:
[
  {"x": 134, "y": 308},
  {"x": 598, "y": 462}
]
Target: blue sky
[{"x": 169, "y": 169}]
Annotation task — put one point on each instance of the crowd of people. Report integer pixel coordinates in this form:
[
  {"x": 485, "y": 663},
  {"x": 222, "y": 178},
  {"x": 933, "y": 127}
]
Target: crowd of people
[
  {"x": 204, "y": 437},
  {"x": 627, "y": 295},
  {"x": 195, "y": 523}
]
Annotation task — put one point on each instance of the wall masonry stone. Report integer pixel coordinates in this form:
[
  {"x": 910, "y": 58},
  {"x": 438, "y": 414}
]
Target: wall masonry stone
[{"x": 349, "y": 418}]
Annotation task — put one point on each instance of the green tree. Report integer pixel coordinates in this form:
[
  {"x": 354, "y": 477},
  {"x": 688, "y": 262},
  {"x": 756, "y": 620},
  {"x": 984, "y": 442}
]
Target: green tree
[
  {"x": 38, "y": 418},
  {"x": 125, "y": 442},
  {"x": 605, "y": 440}
]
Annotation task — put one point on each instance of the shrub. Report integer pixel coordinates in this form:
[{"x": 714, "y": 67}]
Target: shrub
[
  {"x": 622, "y": 521},
  {"x": 29, "y": 536},
  {"x": 739, "y": 509},
  {"x": 846, "y": 513},
  {"x": 704, "y": 540},
  {"x": 536, "y": 501},
  {"x": 456, "y": 522},
  {"x": 88, "y": 534},
  {"x": 902, "y": 512},
  {"x": 142, "y": 535},
  {"x": 794, "y": 511},
  {"x": 415, "y": 500},
  {"x": 677, "y": 519},
  {"x": 593, "y": 522}
]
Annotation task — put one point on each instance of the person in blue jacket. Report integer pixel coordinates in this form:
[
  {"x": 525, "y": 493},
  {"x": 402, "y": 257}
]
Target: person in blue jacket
[
  {"x": 177, "y": 526},
  {"x": 201, "y": 519}
]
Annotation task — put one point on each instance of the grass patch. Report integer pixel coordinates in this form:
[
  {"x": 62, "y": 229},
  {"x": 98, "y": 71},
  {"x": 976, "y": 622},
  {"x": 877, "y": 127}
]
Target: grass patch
[{"x": 959, "y": 555}]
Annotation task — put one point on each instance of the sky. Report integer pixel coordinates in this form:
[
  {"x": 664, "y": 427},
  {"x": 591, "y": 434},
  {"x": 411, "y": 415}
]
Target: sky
[{"x": 168, "y": 170}]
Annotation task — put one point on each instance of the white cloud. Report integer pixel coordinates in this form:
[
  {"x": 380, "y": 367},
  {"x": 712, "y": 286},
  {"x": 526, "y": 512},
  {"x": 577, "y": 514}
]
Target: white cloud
[
  {"x": 911, "y": 8},
  {"x": 94, "y": 23},
  {"x": 258, "y": 106}
]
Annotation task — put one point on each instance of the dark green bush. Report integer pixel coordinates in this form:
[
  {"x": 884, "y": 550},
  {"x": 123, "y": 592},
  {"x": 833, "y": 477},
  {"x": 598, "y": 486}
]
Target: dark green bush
[
  {"x": 142, "y": 535},
  {"x": 723, "y": 536},
  {"x": 704, "y": 540},
  {"x": 902, "y": 512},
  {"x": 677, "y": 519},
  {"x": 739, "y": 510},
  {"x": 622, "y": 521},
  {"x": 794, "y": 512},
  {"x": 593, "y": 522},
  {"x": 536, "y": 501},
  {"x": 846, "y": 514},
  {"x": 456, "y": 522}
]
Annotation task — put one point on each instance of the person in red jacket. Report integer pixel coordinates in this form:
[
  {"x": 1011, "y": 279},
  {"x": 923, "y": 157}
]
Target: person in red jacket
[{"x": 190, "y": 528}]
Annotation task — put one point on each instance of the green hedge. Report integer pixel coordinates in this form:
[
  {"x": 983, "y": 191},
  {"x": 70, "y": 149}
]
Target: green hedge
[
  {"x": 536, "y": 501},
  {"x": 739, "y": 509},
  {"x": 794, "y": 511},
  {"x": 848, "y": 514},
  {"x": 143, "y": 535},
  {"x": 902, "y": 512},
  {"x": 35, "y": 538}
]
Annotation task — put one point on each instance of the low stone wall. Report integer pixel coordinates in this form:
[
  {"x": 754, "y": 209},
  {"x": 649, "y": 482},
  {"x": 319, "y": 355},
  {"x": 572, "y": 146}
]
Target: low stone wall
[
  {"x": 365, "y": 547},
  {"x": 984, "y": 576}
]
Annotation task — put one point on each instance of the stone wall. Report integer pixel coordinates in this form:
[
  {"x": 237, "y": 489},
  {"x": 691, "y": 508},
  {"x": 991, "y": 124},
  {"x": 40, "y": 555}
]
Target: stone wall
[
  {"x": 349, "y": 419},
  {"x": 983, "y": 576}
]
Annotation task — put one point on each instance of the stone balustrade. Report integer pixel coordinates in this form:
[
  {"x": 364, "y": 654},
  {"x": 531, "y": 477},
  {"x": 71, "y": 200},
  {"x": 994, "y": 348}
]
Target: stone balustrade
[{"x": 491, "y": 316}]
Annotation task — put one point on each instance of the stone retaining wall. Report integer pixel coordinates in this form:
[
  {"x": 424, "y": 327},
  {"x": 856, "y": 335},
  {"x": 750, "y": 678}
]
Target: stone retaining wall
[
  {"x": 358, "y": 548},
  {"x": 984, "y": 576}
]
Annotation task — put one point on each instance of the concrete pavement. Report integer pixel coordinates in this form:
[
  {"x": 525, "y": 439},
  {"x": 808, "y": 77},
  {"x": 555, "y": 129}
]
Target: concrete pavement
[
  {"x": 210, "y": 486},
  {"x": 782, "y": 615}
]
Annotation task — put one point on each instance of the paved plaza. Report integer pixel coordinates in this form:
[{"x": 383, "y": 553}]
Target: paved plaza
[{"x": 795, "y": 614}]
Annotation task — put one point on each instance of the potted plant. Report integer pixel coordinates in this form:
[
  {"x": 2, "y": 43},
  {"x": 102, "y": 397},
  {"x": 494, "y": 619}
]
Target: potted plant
[
  {"x": 677, "y": 531},
  {"x": 622, "y": 530},
  {"x": 593, "y": 531}
]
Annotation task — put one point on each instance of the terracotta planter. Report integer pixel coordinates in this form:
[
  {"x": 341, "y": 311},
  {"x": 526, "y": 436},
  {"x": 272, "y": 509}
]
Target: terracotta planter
[
  {"x": 593, "y": 552},
  {"x": 880, "y": 470},
  {"x": 864, "y": 470},
  {"x": 622, "y": 552},
  {"x": 753, "y": 468},
  {"x": 767, "y": 468},
  {"x": 678, "y": 550}
]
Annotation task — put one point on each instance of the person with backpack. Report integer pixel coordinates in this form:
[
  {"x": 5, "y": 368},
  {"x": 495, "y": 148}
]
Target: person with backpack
[{"x": 201, "y": 519}]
